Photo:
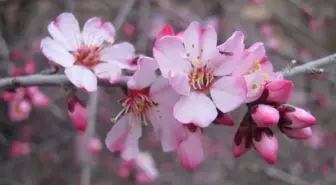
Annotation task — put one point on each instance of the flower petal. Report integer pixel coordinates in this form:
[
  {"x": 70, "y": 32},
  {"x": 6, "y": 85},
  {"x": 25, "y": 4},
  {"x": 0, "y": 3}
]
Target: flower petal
[
  {"x": 55, "y": 52},
  {"x": 108, "y": 71},
  {"x": 254, "y": 86},
  {"x": 225, "y": 63},
  {"x": 145, "y": 75},
  {"x": 118, "y": 131},
  {"x": 180, "y": 83},
  {"x": 228, "y": 93},
  {"x": 131, "y": 149},
  {"x": 208, "y": 42},
  {"x": 196, "y": 108},
  {"x": 192, "y": 43},
  {"x": 120, "y": 54},
  {"x": 169, "y": 53},
  {"x": 65, "y": 29},
  {"x": 190, "y": 151},
  {"x": 82, "y": 77},
  {"x": 162, "y": 92},
  {"x": 95, "y": 32}
]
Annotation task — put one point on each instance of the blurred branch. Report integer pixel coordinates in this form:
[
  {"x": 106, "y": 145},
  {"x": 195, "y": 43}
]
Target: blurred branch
[
  {"x": 47, "y": 80},
  {"x": 309, "y": 66},
  {"x": 90, "y": 130},
  {"x": 125, "y": 9}
]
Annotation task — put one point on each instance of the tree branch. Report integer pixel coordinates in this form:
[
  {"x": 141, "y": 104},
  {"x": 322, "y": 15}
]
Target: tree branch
[
  {"x": 309, "y": 66},
  {"x": 89, "y": 133},
  {"x": 47, "y": 80},
  {"x": 124, "y": 11}
]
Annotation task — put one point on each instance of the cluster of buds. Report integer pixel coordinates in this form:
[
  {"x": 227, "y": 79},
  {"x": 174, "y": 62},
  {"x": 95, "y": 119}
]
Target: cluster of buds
[{"x": 268, "y": 111}]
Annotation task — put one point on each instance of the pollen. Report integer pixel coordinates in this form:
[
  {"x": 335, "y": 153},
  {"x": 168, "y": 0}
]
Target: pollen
[
  {"x": 258, "y": 66},
  {"x": 193, "y": 45},
  {"x": 254, "y": 86},
  {"x": 202, "y": 50},
  {"x": 188, "y": 54},
  {"x": 113, "y": 120}
]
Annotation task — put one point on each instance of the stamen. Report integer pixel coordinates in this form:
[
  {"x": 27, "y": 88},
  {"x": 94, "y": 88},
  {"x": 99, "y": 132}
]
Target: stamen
[{"x": 254, "y": 86}]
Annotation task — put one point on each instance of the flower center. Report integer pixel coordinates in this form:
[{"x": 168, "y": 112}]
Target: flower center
[
  {"x": 88, "y": 56},
  {"x": 201, "y": 78},
  {"x": 137, "y": 103}
]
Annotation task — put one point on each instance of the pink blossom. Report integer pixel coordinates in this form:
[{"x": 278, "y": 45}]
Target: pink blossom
[
  {"x": 197, "y": 68},
  {"x": 78, "y": 112},
  {"x": 150, "y": 99},
  {"x": 88, "y": 54},
  {"x": 190, "y": 151},
  {"x": 29, "y": 67},
  {"x": 265, "y": 115},
  {"x": 257, "y": 70}
]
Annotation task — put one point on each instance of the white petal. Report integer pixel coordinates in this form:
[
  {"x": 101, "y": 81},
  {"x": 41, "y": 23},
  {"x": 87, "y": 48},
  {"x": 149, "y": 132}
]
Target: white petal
[
  {"x": 56, "y": 52},
  {"x": 191, "y": 39},
  {"x": 82, "y": 77},
  {"x": 116, "y": 133},
  {"x": 196, "y": 108},
  {"x": 131, "y": 149},
  {"x": 208, "y": 42},
  {"x": 121, "y": 54},
  {"x": 162, "y": 92},
  {"x": 108, "y": 71},
  {"x": 145, "y": 75},
  {"x": 95, "y": 32}
]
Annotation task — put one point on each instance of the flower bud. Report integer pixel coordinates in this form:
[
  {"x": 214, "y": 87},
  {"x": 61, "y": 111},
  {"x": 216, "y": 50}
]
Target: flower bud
[
  {"x": 279, "y": 91},
  {"x": 265, "y": 115},
  {"x": 298, "y": 118},
  {"x": 78, "y": 112},
  {"x": 303, "y": 133},
  {"x": 224, "y": 119},
  {"x": 266, "y": 145},
  {"x": 190, "y": 151}
]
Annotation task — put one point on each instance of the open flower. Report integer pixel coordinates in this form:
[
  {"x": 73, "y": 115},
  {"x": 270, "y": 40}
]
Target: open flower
[
  {"x": 86, "y": 54},
  {"x": 198, "y": 69},
  {"x": 149, "y": 100}
]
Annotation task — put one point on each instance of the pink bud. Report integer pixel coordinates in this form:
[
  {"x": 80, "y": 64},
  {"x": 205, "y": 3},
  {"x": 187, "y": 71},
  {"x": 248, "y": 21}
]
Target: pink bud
[
  {"x": 142, "y": 178},
  {"x": 267, "y": 146},
  {"x": 303, "y": 133},
  {"x": 37, "y": 97},
  {"x": 19, "y": 110},
  {"x": 8, "y": 96},
  {"x": 95, "y": 145},
  {"x": 225, "y": 119},
  {"x": 190, "y": 151},
  {"x": 279, "y": 91},
  {"x": 19, "y": 149},
  {"x": 78, "y": 112},
  {"x": 124, "y": 172},
  {"x": 167, "y": 30},
  {"x": 129, "y": 29},
  {"x": 299, "y": 118},
  {"x": 16, "y": 72},
  {"x": 266, "y": 30},
  {"x": 265, "y": 115},
  {"x": 29, "y": 68},
  {"x": 24, "y": 106},
  {"x": 239, "y": 150},
  {"x": 16, "y": 55}
]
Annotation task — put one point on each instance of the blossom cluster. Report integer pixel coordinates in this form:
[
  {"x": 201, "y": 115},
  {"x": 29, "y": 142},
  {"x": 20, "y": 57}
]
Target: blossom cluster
[{"x": 190, "y": 83}]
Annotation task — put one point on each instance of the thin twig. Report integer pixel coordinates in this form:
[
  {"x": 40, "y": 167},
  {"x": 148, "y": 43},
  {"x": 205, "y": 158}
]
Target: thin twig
[
  {"x": 306, "y": 68},
  {"x": 89, "y": 133},
  {"x": 46, "y": 80},
  {"x": 121, "y": 17}
]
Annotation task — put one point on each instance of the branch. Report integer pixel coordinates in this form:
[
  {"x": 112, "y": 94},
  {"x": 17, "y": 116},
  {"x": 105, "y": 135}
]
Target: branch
[
  {"x": 47, "y": 80},
  {"x": 124, "y": 11},
  {"x": 309, "y": 66},
  {"x": 89, "y": 133}
]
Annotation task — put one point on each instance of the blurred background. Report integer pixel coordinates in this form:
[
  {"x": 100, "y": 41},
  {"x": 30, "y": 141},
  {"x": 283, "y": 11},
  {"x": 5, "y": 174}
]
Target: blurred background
[{"x": 44, "y": 148}]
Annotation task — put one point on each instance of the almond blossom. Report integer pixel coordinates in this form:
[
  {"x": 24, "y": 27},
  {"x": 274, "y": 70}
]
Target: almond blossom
[
  {"x": 201, "y": 72},
  {"x": 149, "y": 100},
  {"x": 86, "y": 54}
]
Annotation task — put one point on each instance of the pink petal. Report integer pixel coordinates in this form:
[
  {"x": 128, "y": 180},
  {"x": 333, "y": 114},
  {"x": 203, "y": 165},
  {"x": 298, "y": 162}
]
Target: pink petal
[
  {"x": 108, "y": 71},
  {"x": 162, "y": 92},
  {"x": 267, "y": 147},
  {"x": 265, "y": 115},
  {"x": 303, "y": 133},
  {"x": 82, "y": 77},
  {"x": 279, "y": 91},
  {"x": 39, "y": 99},
  {"x": 55, "y": 52},
  {"x": 146, "y": 164},
  {"x": 95, "y": 32},
  {"x": 167, "y": 30},
  {"x": 131, "y": 149},
  {"x": 228, "y": 93},
  {"x": 180, "y": 83},
  {"x": 169, "y": 53},
  {"x": 190, "y": 151},
  {"x": 117, "y": 134},
  {"x": 192, "y": 43},
  {"x": 300, "y": 118},
  {"x": 196, "y": 108},
  {"x": 255, "y": 86},
  {"x": 65, "y": 29},
  {"x": 79, "y": 116},
  {"x": 208, "y": 42},
  {"x": 225, "y": 64},
  {"x": 255, "y": 52},
  {"x": 145, "y": 75},
  {"x": 120, "y": 54}
]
